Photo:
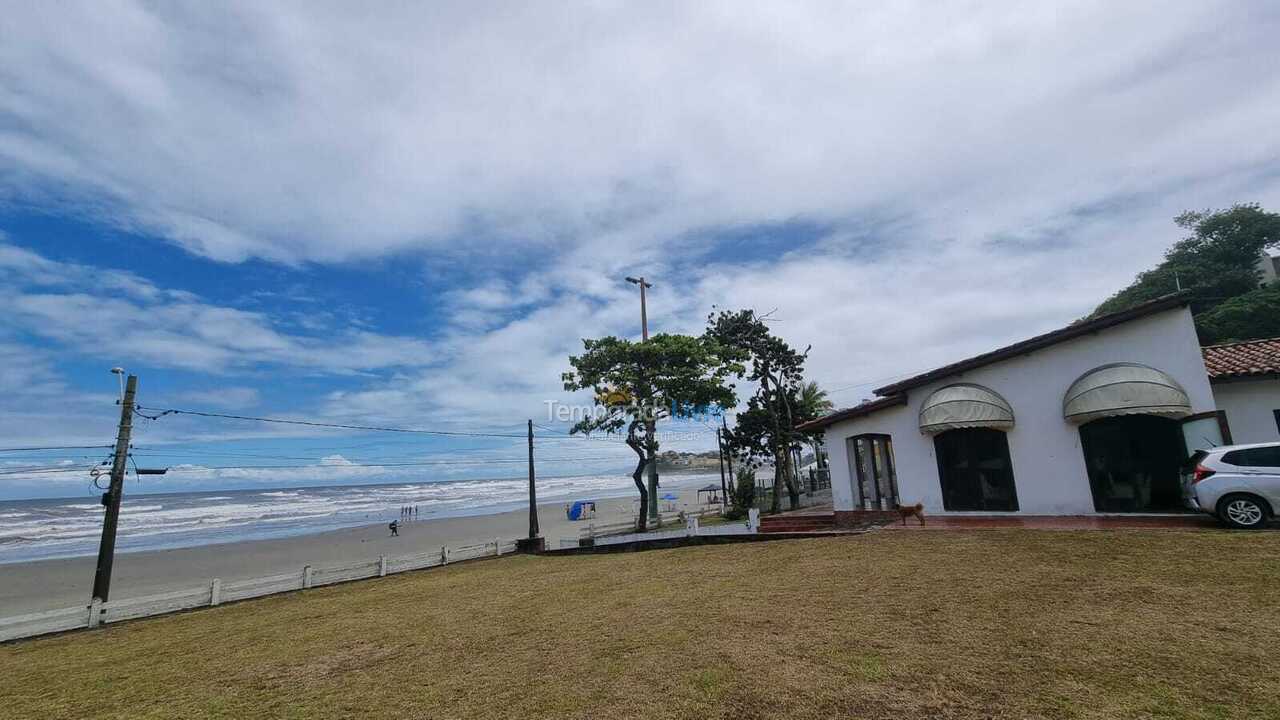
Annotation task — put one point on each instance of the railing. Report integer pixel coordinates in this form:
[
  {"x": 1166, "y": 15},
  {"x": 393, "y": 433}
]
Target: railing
[
  {"x": 819, "y": 479},
  {"x": 595, "y": 530},
  {"x": 216, "y": 592}
]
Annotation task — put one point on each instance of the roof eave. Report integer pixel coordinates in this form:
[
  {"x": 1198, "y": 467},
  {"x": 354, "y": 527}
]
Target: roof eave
[
  {"x": 853, "y": 413},
  {"x": 1039, "y": 342}
]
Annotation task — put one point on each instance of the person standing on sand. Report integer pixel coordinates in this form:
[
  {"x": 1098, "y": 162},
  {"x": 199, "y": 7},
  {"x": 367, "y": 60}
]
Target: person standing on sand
[{"x": 395, "y": 528}]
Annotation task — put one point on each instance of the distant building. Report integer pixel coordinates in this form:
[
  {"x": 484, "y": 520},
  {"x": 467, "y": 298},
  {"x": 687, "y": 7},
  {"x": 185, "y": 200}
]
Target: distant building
[
  {"x": 1269, "y": 266},
  {"x": 1096, "y": 417}
]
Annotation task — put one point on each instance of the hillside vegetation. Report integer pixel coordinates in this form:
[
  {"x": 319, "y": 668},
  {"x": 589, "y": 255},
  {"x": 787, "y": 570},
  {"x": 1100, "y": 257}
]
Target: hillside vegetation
[{"x": 1218, "y": 265}]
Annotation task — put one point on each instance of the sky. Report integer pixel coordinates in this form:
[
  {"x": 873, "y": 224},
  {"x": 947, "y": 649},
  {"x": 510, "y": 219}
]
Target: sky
[{"x": 411, "y": 214}]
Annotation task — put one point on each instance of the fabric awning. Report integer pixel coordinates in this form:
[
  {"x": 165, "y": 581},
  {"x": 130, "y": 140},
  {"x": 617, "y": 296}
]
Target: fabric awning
[
  {"x": 1124, "y": 389},
  {"x": 964, "y": 406}
]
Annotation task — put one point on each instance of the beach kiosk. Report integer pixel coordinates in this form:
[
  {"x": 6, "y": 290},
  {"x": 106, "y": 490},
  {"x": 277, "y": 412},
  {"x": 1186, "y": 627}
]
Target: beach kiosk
[{"x": 713, "y": 494}]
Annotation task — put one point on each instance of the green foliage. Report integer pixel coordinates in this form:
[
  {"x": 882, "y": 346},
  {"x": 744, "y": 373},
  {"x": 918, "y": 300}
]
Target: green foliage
[
  {"x": 744, "y": 493},
  {"x": 766, "y": 430},
  {"x": 767, "y": 427},
  {"x": 643, "y": 380},
  {"x": 637, "y": 383},
  {"x": 813, "y": 401},
  {"x": 1216, "y": 263},
  {"x": 1253, "y": 315}
]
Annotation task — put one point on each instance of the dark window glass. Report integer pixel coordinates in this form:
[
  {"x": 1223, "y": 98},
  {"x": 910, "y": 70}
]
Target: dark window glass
[
  {"x": 872, "y": 461},
  {"x": 1277, "y": 414},
  {"x": 1134, "y": 463},
  {"x": 1254, "y": 457},
  {"x": 974, "y": 470}
]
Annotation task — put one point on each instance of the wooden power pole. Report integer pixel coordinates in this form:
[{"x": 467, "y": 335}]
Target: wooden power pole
[{"x": 107, "y": 548}]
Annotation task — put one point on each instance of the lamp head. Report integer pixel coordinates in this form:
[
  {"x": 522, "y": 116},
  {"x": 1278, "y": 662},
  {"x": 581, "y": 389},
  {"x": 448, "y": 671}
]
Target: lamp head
[{"x": 117, "y": 370}]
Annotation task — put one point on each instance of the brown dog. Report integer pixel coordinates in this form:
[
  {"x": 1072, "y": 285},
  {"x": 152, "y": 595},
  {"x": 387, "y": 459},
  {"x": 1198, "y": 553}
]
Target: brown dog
[{"x": 907, "y": 511}]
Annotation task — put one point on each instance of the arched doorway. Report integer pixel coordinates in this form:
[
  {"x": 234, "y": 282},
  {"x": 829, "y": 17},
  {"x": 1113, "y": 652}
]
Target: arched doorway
[
  {"x": 1132, "y": 441},
  {"x": 1134, "y": 463},
  {"x": 974, "y": 470}
]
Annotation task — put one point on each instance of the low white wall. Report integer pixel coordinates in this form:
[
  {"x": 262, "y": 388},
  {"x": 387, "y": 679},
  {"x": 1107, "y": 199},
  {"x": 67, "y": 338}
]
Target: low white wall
[
  {"x": 1250, "y": 406},
  {"x": 1048, "y": 464}
]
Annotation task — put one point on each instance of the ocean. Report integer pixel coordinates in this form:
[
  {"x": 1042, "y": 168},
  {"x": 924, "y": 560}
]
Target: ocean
[{"x": 70, "y": 527}]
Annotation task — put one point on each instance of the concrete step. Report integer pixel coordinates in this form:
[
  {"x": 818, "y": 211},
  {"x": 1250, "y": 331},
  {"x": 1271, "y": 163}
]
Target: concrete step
[{"x": 796, "y": 523}]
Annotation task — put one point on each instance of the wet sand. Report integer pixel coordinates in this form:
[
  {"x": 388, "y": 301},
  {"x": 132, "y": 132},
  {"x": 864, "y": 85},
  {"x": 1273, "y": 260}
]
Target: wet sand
[{"x": 61, "y": 583}]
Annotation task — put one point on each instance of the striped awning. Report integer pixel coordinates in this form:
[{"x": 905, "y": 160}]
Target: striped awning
[
  {"x": 1124, "y": 389},
  {"x": 964, "y": 406}
]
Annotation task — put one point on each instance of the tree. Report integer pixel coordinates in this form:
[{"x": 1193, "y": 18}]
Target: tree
[
  {"x": 766, "y": 429},
  {"x": 743, "y": 496},
  {"x": 1253, "y": 315},
  {"x": 1216, "y": 263},
  {"x": 635, "y": 382},
  {"x": 814, "y": 403}
]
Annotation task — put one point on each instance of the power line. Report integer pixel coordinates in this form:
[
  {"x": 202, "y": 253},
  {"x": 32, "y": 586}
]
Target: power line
[
  {"x": 338, "y": 426},
  {"x": 55, "y": 447},
  {"x": 344, "y": 426},
  {"x": 426, "y": 463},
  {"x": 48, "y": 470},
  {"x": 569, "y": 435}
]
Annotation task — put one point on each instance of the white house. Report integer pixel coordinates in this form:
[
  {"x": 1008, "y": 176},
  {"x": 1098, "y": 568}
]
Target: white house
[
  {"x": 1246, "y": 384},
  {"x": 1096, "y": 417}
]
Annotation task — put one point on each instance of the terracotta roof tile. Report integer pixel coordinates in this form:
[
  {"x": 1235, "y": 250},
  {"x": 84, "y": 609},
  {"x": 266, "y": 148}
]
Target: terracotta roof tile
[{"x": 1242, "y": 359}]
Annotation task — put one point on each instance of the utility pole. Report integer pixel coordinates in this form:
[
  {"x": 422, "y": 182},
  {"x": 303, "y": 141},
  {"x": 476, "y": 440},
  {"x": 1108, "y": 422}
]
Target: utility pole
[
  {"x": 533, "y": 495},
  {"x": 650, "y": 424},
  {"x": 107, "y": 548}
]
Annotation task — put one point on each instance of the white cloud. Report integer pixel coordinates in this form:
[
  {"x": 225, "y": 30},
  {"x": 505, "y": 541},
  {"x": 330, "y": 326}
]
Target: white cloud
[
  {"x": 82, "y": 308},
  {"x": 230, "y": 397},
  {"x": 987, "y": 172},
  {"x": 294, "y": 131}
]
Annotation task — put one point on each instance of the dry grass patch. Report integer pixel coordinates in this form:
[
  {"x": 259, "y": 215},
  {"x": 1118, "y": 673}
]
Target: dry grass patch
[{"x": 941, "y": 624}]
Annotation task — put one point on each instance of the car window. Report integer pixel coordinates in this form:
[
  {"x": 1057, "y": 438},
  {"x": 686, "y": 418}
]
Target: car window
[
  {"x": 1254, "y": 457},
  {"x": 1190, "y": 463}
]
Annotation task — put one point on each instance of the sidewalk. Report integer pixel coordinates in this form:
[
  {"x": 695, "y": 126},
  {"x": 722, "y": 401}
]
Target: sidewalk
[{"x": 1056, "y": 522}]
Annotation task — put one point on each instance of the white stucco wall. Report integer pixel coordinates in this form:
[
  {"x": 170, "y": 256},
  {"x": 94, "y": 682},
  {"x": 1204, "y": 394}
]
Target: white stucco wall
[
  {"x": 1250, "y": 406},
  {"x": 1048, "y": 465}
]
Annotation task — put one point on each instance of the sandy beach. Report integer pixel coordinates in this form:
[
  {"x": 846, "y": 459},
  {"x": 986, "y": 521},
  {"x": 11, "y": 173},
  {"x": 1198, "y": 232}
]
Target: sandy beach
[{"x": 50, "y": 584}]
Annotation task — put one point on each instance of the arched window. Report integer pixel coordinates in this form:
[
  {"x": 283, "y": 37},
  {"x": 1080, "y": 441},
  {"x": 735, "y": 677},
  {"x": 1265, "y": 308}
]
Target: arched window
[
  {"x": 974, "y": 470},
  {"x": 1129, "y": 433}
]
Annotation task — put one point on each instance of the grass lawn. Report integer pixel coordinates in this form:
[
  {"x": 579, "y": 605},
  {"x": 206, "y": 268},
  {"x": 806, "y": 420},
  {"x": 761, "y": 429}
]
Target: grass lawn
[{"x": 970, "y": 624}]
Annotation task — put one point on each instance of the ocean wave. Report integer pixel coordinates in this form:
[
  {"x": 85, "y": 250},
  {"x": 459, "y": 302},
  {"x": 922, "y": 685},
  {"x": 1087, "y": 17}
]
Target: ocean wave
[{"x": 60, "y": 528}]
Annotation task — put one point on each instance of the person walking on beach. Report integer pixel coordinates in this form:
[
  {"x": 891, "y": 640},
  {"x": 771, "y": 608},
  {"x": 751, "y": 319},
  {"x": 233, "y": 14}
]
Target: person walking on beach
[{"x": 395, "y": 528}]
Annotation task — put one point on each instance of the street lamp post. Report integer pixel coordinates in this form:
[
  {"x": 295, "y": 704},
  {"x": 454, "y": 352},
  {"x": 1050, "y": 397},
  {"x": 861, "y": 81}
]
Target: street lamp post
[
  {"x": 650, "y": 423},
  {"x": 644, "y": 312}
]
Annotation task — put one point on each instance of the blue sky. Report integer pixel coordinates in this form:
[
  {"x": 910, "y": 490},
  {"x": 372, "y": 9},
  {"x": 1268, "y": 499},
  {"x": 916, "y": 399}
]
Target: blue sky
[{"x": 412, "y": 217}]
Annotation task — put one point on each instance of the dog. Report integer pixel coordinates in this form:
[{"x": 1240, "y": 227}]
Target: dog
[{"x": 907, "y": 511}]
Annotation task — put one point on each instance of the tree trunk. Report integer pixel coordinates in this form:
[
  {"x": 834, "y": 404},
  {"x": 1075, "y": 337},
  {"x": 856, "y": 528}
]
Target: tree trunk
[
  {"x": 793, "y": 492},
  {"x": 638, "y": 477},
  {"x": 651, "y": 432},
  {"x": 775, "y": 505}
]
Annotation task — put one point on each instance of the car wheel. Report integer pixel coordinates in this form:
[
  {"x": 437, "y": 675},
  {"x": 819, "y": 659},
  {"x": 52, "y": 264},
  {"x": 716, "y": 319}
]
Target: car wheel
[{"x": 1242, "y": 511}]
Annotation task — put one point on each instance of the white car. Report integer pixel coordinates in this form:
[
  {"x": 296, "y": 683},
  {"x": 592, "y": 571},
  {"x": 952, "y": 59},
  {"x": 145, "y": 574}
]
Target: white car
[{"x": 1239, "y": 484}]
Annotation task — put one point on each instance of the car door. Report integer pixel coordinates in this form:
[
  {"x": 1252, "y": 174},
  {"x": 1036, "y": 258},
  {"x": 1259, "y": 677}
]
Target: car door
[{"x": 1261, "y": 469}]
